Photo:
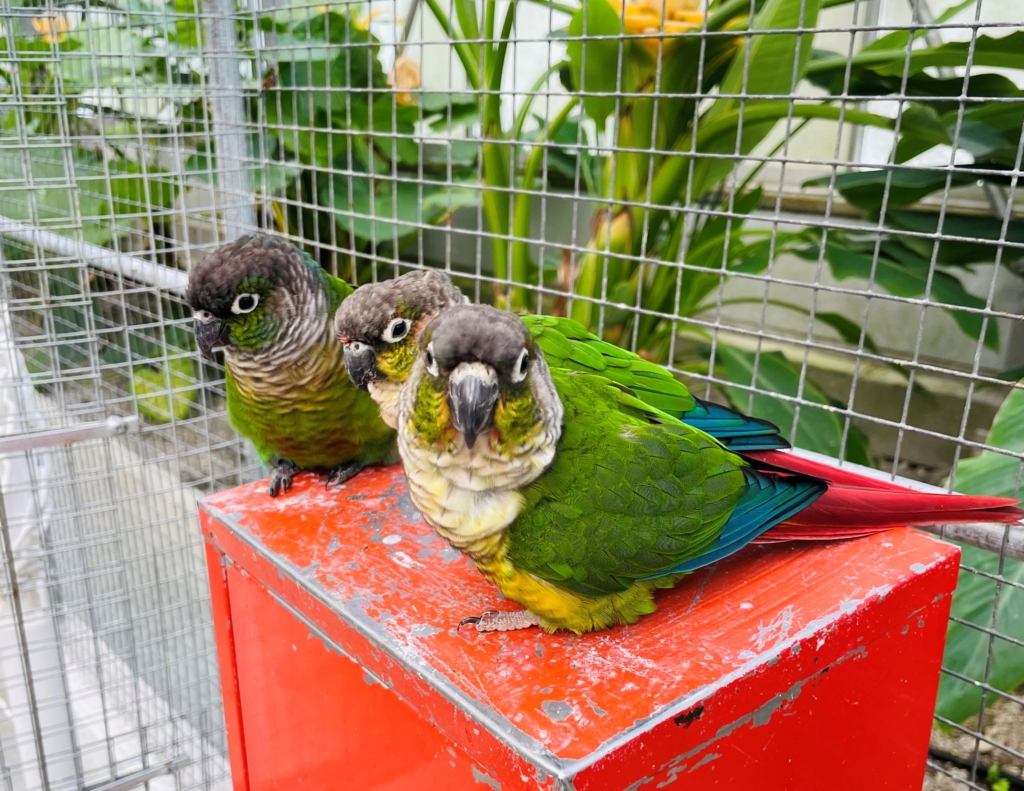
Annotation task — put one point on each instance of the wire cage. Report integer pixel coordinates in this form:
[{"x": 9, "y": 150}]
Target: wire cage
[{"x": 806, "y": 208}]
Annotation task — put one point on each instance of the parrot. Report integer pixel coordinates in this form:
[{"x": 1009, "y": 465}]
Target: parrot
[
  {"x": 380, "y": 324},
  {"x": 270, "y": 307},
  {"x": 579, "y": 500}
]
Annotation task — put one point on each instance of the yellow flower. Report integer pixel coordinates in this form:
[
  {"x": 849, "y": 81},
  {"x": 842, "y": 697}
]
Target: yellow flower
[
  {"x": 645, "y": 16},
  {"x": 53, "y": 27},
  {"x": 405, "y": 76}
]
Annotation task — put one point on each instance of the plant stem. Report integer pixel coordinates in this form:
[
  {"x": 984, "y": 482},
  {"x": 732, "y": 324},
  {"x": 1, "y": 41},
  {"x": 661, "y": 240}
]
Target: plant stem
[
  {"x": 522, "y": 214},
  {"x": 461, "y": 49},
  {"x": 570, "y": 10},
  {"x": 517, "y": 126}
]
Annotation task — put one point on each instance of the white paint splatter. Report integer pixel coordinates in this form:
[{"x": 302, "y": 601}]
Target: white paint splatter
[
  {"x": 405, "y": 561},
  {"x": 392, "y": 539}
]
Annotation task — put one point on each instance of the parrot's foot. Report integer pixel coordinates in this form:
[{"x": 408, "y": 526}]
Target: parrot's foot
[
  {"x": 281, "y": 477},
  {"x": 495, "y": 621},
  {"x": 343, "y": 472}
]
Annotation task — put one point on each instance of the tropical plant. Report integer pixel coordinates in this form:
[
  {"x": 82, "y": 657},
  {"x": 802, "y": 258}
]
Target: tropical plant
[
  {"x": 663, "y": 90},
  {"x": 985, "y": 640}
]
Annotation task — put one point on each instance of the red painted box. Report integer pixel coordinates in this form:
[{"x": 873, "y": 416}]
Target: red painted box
[{"x": 785, "y": 667}]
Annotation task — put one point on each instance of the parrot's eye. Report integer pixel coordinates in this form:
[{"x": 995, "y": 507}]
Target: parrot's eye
[
  {"x": 521, "y": 367},
  {"x": 202, "y": 316},
  {"x": 428, "y": 357},
  {"x": 245, "y": 303},
  {"x": 396, "y": 330}
]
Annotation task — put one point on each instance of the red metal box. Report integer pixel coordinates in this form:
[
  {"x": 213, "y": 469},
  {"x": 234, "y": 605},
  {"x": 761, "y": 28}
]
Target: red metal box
[{"x": 785, "y": 667}]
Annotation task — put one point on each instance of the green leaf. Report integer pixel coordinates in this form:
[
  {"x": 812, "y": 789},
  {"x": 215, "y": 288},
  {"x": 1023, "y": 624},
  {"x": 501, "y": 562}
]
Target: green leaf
[
  {"x": 775, "y": 65},
  {"x": 395, "y": 209},
  {"x": 958, "y": 253},
  {"x": 113, "y": 195},
  {"x": 818, "y": 430},
  {"x": 595, "y": 63},
  {"x": 967, "y": 649},
  {"x": 163, "y": 395},
  {"x": 906, "y": 276},
  {"x": 866, "y": 188}
]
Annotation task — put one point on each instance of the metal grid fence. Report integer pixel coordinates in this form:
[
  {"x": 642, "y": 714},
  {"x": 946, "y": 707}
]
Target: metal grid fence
[{"x": 805, "y": 207}]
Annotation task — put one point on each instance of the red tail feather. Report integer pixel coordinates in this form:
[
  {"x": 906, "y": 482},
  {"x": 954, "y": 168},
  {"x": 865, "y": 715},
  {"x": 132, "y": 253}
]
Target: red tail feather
[{"x": 858, "y": 505}]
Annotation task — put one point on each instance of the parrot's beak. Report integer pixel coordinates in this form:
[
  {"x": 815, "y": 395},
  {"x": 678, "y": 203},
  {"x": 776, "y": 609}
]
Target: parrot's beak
[
  {"x": 472, "y": 396},
  {"x": 211, "y": 334},
  {"x": 361, "y": 364}
]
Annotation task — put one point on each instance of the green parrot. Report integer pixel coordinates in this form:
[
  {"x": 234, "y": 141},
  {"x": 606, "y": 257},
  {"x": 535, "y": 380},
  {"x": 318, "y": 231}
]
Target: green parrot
[
  {"x": 270, "y": 307},
  {"x": 381, "y": 323},
  {"x": 578, "y": 499}
]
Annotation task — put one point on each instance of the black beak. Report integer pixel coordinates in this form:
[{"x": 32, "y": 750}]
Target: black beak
[
  {"x": 361, "y": 365},
  {"x": 210, "y": 335},
  {"x": 471, "y": 400}
]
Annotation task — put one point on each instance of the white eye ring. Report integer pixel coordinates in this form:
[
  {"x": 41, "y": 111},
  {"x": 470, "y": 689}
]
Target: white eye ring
[
  {"x": 202, "y": 316},
  {"x": 397, "y": 329},
  {"x": 522, "y": 366},
  {"x": 237, "y": 308},
  {"x": 356, "y": 347},
  {"x": 428, "y": 358}
]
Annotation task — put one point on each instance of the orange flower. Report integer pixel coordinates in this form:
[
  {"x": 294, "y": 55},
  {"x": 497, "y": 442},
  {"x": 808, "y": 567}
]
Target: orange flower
[
  {"x": 405, "y": 76},
  {"x": 645, "y": 16},
  {"x": 53, "y": 27}
]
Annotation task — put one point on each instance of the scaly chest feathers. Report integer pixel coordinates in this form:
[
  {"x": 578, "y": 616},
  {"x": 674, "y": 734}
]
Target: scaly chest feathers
[
  {"x": 470, "y": 496},
  {"x": 387, "y": 395}
]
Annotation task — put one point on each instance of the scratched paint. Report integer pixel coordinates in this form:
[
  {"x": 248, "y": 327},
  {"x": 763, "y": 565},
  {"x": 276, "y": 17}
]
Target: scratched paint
[{"x": 614, "y": 684}]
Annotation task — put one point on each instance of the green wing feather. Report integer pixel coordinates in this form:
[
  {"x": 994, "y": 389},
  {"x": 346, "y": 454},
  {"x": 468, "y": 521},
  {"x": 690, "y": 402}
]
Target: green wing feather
[
  {"x": 632, "y": 493},
  {"x": 569, "y": 345}
]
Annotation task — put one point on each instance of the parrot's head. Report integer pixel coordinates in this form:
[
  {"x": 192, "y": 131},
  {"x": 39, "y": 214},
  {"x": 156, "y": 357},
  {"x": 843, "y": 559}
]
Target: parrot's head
[
  {"x": 481, "y": 373},
  {"x": 380, "y": 324},
  {"x": 252, "y": 294}
]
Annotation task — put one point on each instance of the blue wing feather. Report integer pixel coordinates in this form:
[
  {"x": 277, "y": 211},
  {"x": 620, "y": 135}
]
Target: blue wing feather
[{"x": 767, "y": 501}]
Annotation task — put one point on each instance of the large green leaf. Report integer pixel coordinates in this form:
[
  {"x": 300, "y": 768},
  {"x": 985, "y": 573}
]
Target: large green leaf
[
  {"x": 595, "y": 62},
  {"x": 866, "y": 189},
  {"x": 383, "y": 210},
  {"x": 771, "y": 65},
  {"x": 967, "y": 649},
  {"x": 817, "y": 430},
  {"x": 113, "y": 195},
  {"x": 903, "y": 276},
  {"x": 959, "y": 253},
  {"x": 887, "y": 55}
]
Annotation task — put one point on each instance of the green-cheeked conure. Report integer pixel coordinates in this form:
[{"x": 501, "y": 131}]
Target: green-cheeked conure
[
  {"x": 270, "y": 307},
  {"x": 380, "y": 325},
  {"x": 579, "y": 500}
]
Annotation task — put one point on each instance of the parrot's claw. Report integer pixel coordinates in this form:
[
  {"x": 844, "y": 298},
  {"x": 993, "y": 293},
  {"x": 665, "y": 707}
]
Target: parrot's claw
[
  {"x": 281, "y": 477},
  {"x": 342, "y": 473},
  {"x": 498, "y": 621}
]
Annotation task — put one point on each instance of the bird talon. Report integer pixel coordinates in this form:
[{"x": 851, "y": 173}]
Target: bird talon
[
  {"x": 477, "y": 618},
  {"x": 281, "y": 477},
  {"x": 342, "y": 473}
]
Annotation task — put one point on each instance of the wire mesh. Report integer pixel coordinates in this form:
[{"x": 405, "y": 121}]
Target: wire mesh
[{"x": 804, "y": 207}]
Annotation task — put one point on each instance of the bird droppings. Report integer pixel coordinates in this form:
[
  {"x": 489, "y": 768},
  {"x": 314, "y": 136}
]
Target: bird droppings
[
  {"x": 687, "y": 718},
  {"x": 746, "y": 606},
  {"x": 918, "y": 568},
  {"x": 391, "y": 539},
  {"x": 557, "y": 710},
  {"x": 486, "y": 779}
]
